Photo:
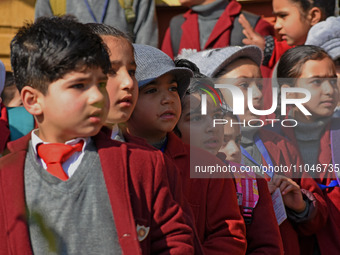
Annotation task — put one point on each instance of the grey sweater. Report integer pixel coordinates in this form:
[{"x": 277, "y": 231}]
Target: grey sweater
[
  {"x": 73, "y": 216},
  {"x": 145, "y": 28}
]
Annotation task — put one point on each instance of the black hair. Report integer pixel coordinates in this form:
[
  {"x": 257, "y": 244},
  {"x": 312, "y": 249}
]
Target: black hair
[
  {"x": 327, "y": 7},
  {"x": 9, "y": 90},
  {"x": 9, "y": 79},
  {"x": 197, "y": 83},
  {"x": 291, "y": 62},
  {"x": 46, "y": 50},
  {"x": 103, "y": 29},
  {"x": 199, "y": 80},
  {"x": 223, "y": 70},
  {"x": 290, "y": 66}
]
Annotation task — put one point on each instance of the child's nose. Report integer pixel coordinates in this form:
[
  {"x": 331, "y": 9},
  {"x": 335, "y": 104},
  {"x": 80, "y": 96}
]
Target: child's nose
[
  {"x": 97, "y": 96},
  {"x": 233, "y": 149},
  {"x": 255, "y": 91},
  {"x": 328, "y": 88},
  {"x": 128, "y": 82},
  {"x": 167, "y": 97},
  {"x": 277, "y": 25}
]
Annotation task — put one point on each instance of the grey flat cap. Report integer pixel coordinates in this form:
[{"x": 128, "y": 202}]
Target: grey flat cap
[
  {"x": 153, "y": 63},
  {"x": 210, "y": 62},
  {"x": 326, "y": 34}
]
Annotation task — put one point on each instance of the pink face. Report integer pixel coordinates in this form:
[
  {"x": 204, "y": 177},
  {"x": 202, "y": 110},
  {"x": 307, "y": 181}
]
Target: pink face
[
  {"x": 244, "y": 74},
  {"x": 157, "y": 110},
  {"x": 74, "y": 106},
  {"x": 319, "y": 77},
  {"x": 197, "y": 129},
  {"x": 231, "y": 146},
  {"x": 290, "y": 23},
  {"x": 122, "y": 86}
]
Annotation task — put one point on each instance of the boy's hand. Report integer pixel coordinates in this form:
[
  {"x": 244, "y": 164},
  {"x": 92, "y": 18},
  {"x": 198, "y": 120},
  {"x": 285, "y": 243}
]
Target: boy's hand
[
  {"x": 290, "y": 190},
  {"x": 253, "y": 38}
]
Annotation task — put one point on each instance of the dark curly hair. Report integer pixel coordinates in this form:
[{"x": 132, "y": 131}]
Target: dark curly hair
[{"x": 51, "y": 47}]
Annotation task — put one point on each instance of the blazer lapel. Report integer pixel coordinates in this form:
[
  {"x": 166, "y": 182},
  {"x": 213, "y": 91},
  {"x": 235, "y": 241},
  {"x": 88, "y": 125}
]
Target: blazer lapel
[
  {"x": 113, "y": 158},
  {"x": 224, "y": 23},
  {"x": 190, "y": 33},
  {"x": 12, "y": 188}
]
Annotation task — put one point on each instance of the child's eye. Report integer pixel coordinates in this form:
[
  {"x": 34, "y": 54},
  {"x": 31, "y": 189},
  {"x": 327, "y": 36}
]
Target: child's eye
[
  {"x": 132, "y": 73},
  {"x": 78, "y": 86},
  {"x": 259, "y": 85},
  {"x": 150, "y": 91},
  {"x": 173, "y": 88},
  {"x": 218, "y": 115},
  {"x": 281, "y": 16},
  {"x": 112, "y": 72},
  {"x": 316, "y": 81},
  {"x": 243, "y": 85},
  {"x": 333, "y": 82},
  {"x": 195, "y": 118}
]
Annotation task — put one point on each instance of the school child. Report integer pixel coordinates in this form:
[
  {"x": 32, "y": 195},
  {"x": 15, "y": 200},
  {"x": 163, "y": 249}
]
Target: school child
[
  {"x": 262, "y": 233},
  {"x": 20, "y": 122},
  {"x": 4, "y": 131},
  {"x": 315, "y": 135},
  {"x": 106, "y": 197},
  {"x": 294, "y": 18},
  {"x": 306, "y": 209},
  {"x": 326, "y": 34},
  {"x": 213, "y": 201},
  {"x": 122, "y": 86},
  {"x": 122, "y": 89},
  {"x": 209, "y": 24}
]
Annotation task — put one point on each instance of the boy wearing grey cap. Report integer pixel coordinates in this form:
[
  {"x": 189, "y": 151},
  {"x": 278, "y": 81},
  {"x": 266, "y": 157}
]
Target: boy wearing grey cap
[{"x": 220, "y": 226}]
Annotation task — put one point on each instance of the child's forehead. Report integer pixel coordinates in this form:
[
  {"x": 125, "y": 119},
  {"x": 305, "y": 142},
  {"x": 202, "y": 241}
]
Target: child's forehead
[
  {"x": 166, "y": 76},
  {"x": 312, "y": 67},
  {"x": 85, "y": 72},
  {"x": 193, "y": 101}
]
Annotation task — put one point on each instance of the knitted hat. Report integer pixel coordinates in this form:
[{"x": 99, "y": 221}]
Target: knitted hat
[
  {"x": 210, "y": 62},
  {"x": 153, "y": 63},
  {"x": 326, "y": 34},
  {"x": 2, "y": 76}
]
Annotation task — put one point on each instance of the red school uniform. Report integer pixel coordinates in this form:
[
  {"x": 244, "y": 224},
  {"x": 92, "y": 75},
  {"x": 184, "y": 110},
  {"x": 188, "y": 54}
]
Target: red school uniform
[
  {"x": 137, "y": 197},
  {"x": 328, "y": 236},
  {"x": 220, "y": 35},
  {"x": 219, "y": 223},
  {"x": 284, "y": 153},
  {"x": 263, "y": 234}
]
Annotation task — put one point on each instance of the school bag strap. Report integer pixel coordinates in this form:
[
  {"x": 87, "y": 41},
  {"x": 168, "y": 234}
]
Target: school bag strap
[
  {"x": 335, "y": 148},
  {"x": 236, "y": 35},
  {"x": 58, "y": 7}
]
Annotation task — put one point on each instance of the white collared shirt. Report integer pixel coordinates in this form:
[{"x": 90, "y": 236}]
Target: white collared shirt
[{"x": 72, "y": 163}]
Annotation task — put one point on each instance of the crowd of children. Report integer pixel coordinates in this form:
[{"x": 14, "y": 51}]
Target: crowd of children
[{"x": 127, "y": 151}]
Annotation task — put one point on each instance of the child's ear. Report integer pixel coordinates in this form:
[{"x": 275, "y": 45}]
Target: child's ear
[
  {"x": 315, "y": 15},
  {"x": 30, "y": 99}
]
